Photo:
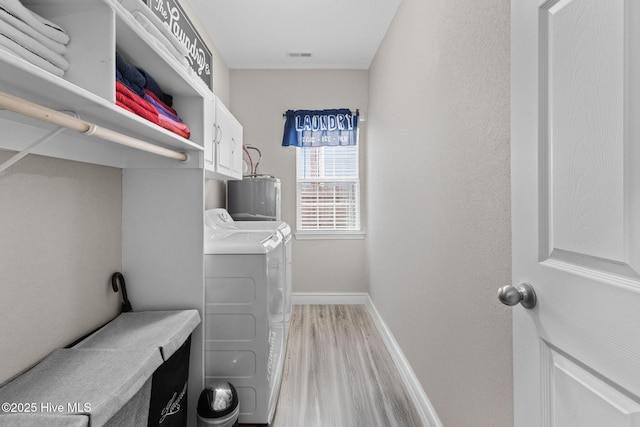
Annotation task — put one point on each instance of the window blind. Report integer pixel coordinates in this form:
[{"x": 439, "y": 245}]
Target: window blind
[{"x": 328, "y": 188}]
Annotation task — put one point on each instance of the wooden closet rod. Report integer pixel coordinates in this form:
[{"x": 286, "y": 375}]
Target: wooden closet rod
[{"x": 37, "y": 111}]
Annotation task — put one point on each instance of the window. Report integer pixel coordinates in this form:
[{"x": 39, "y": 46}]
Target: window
[
  {"x": 328, "y": 190},
  {"x": 328, "y": 176}
]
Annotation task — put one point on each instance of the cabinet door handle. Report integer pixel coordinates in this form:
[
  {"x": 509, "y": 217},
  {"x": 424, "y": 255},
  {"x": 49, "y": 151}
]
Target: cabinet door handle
[{"x": 219, "y": 133}]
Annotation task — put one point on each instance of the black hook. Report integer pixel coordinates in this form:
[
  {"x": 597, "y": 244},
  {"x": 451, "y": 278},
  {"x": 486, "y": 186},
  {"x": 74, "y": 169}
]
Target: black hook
[{"x": 116, "y": 278}]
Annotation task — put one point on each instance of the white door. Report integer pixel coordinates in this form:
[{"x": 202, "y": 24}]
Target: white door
[
  {"x": 225, "y": 143},
  {"x": 210, "y": 131},
  {"x": 229, "y": 146},
  {"x": 576, "y": 211}
]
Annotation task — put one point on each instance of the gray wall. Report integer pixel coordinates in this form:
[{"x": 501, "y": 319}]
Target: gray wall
[
  {"x": 260, "y": 97},
  {"x": 60, "y": 241},
  {"x": 439, "y": 201}
]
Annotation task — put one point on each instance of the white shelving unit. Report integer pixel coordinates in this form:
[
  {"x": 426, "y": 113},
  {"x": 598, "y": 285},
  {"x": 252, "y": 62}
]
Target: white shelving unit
[
  {"x": 97, "y": 31},
  {"x": 163, "y": 199},
  {"x": 162, "y": 250},
  {"x": 88, "y": 90}
]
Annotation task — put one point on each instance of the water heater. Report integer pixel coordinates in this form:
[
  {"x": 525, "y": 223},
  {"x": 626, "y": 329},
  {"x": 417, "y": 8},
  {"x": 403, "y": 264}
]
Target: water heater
[{"x": 254, "y": 198}]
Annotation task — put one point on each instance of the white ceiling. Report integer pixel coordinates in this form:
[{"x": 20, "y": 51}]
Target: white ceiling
[{"x": 256, "y": 34}]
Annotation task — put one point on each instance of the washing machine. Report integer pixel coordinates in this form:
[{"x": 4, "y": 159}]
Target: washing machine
[
  {"x": 220, "y": 220},
  {"x": 244, "y": 322}
]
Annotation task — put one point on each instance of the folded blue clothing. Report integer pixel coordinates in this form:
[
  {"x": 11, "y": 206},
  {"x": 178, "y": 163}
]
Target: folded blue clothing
[
  {"x": 130, "y": 76},
  {"x": 154, "y": 87}
]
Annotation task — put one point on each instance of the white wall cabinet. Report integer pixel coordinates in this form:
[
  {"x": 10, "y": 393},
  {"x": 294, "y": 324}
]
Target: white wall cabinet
[{"x": 223, "y": 143}]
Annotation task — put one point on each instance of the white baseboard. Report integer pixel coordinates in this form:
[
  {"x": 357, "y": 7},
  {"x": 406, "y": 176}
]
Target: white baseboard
[
  {"x": 416, "y": 392},
  {"x": 306, "y": 298}
]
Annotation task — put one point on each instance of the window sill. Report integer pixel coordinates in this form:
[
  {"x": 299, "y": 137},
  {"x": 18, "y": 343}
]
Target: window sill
[{"x": 330, "y": 235}]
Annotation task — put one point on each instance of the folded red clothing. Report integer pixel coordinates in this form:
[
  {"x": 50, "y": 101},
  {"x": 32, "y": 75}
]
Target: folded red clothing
[
  {"x": 130, "y": 101},
  {"x": 161, "y": 109},
  {"x": 155, "y": 98},
  {"x": 178, "y": 128},
  {"x": 121, "y": 105},
  {"x": 136, "y": 108},
  {"x": 135, "y": 103},
  {"x": 169, "y": 119}
]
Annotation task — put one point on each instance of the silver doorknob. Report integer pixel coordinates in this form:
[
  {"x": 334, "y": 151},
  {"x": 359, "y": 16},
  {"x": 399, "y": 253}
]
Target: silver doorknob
[{"x": 522, "y": 293}]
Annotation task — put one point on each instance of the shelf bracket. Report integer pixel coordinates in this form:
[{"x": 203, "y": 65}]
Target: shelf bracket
[{"x": 18, "y": 156}]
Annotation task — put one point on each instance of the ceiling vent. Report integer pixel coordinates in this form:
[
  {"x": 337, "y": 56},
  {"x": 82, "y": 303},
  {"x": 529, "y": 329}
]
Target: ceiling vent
[{"x": 299, "y": 54}]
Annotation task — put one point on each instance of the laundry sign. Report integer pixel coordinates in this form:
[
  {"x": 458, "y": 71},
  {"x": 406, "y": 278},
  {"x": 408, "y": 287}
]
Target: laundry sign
[
  {"x": 171, "y": 13},
  {"x": 317, "y": 128}
]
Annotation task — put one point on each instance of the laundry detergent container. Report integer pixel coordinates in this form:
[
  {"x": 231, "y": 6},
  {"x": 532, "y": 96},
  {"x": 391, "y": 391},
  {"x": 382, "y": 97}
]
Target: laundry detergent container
[
  {"x": 254, "y": 198},
  {"x": 169, "y": 334}
]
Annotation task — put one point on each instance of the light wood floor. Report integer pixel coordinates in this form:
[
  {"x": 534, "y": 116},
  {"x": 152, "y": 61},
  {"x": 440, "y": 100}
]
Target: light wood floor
[{"x": 338, "y": 373}]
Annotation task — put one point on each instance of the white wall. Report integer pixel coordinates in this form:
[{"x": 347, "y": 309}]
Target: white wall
[
  {"x": 439, "y": 201},
  {"x": 259, "y": 98},
  {"x": 60, "y": 228}
]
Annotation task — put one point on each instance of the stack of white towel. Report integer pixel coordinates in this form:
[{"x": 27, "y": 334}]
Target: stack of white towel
[
  {"x": 159, "y": 31},
  {"x": 32, "y": 37}
]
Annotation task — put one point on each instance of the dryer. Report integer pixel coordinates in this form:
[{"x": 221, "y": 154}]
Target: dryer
[
  {"x": 220, "y": 218},
  {"x": 244, "y": 323},
  {"x": 287, "y": 257}
]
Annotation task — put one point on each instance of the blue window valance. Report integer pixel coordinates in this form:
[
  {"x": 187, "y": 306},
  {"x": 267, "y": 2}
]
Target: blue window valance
[{"x": 317, "y": 128}]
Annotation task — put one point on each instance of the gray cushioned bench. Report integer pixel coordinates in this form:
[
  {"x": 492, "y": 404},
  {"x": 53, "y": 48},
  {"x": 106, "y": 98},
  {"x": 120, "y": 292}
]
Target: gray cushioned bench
[{"x": 106, "y": 379}]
